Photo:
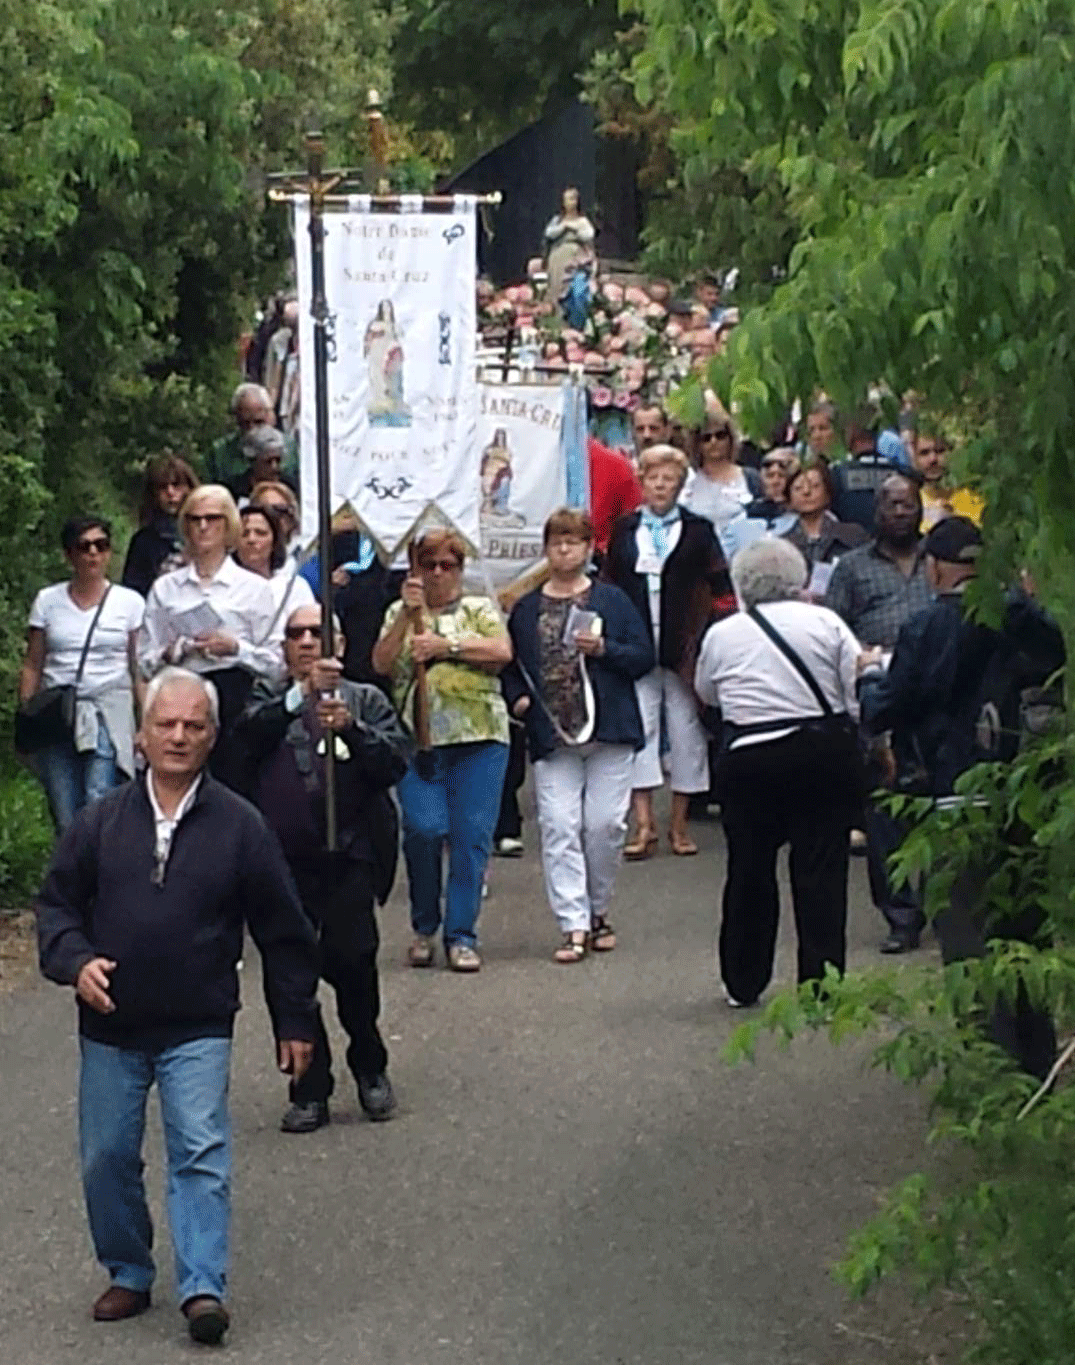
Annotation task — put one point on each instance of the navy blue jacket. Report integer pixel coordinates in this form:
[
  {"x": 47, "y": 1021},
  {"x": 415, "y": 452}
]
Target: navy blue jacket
[
  {"x": 628, "y": 655},
  {"x": 929, "y": 697}
]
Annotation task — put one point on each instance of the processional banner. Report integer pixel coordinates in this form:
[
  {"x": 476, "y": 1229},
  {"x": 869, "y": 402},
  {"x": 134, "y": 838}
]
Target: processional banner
[
  {"x": 522, "y": 473},
  {"x": 402, "y": 389}
]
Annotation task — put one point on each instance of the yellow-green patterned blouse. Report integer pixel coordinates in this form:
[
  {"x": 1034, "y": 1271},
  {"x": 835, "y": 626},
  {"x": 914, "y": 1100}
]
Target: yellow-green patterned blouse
[{"x": 465, "y": 703}]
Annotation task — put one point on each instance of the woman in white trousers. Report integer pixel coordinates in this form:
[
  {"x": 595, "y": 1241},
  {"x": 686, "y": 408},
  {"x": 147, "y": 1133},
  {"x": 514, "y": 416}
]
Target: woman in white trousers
[
  {"x": 579, "y": 647},
  {"x": 669, "y": 563}
]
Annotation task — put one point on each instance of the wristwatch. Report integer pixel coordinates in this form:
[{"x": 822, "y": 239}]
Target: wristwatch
[{"x": 453, "y": 649}]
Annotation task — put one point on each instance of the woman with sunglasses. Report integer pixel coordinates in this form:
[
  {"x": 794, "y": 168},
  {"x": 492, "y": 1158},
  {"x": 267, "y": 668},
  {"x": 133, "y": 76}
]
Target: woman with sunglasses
[
  {"x": 157, "y": 545},
  {"x": 451, "y": 793},
  {"x": 99, "y": 753},
  {"x": 213, "y": 616},
  {"x": 721, "y": 489},
  {"x": 281, "y": 499}
]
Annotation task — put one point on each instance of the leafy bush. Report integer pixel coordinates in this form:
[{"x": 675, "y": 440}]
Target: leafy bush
[{"x": 25, "y": 837}]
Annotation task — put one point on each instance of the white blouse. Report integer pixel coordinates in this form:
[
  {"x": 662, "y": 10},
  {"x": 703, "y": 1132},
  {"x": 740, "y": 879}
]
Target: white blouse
[{"x": 242, "y": 602}]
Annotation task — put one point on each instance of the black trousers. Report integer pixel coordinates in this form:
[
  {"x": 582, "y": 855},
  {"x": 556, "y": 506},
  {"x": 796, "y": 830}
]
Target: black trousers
[
  {"x": 787, "y": 791},
  {"x": 509, "y": 823},
  {"x": 1025, "y": 1033},
  {"x": 337, "y": 895},
  {"x": 900, "y": 905}
]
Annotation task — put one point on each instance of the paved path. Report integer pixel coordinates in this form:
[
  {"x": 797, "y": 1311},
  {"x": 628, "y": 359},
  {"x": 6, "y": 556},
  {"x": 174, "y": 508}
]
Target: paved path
[{"x": 575, "y": 1176}]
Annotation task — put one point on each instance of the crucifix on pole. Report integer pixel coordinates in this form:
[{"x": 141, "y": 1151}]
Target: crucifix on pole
[{"x": 317, "y": 184}]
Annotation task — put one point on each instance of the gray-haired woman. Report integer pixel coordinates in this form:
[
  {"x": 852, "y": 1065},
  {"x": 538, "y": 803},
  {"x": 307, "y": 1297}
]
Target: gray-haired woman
[{"x": 782, "y": 672}]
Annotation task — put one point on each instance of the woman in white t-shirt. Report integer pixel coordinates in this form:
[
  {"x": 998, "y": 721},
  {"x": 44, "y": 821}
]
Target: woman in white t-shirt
[{"x": 100, "y": 753}]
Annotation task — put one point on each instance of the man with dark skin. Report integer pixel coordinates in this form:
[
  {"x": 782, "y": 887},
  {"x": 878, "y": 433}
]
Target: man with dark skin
[{"x": 876, "y": 588}]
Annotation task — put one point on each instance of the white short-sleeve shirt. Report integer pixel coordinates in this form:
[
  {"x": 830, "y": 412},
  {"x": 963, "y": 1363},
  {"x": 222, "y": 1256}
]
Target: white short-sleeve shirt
[{"x": 65, "y": 626}]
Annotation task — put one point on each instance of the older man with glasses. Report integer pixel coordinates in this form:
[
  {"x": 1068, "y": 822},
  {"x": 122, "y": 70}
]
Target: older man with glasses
[
  {"x": 142, "y": 912},
  {"x": 285, "y": 738},
  {"x": 251, "y": 406}
]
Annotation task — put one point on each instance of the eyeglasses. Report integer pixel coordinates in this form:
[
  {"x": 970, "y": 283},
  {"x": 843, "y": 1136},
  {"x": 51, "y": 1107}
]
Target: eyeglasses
[
  {"x": 98, "y": 545},
  {"x": 445, "y": 565},
  {"x": 298, "y": 632},
  {"x": 203, "y": 518},
  {"x": 718, "y": 435}
]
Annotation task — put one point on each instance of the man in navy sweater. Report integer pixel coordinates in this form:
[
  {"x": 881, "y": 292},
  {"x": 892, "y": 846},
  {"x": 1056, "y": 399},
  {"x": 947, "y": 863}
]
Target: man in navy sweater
[{"x": 142, "y": 911}]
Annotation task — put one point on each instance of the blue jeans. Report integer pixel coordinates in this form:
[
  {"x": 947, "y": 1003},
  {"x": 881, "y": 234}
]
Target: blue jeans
[
  {"x": 458, "y": 803},
  {"x": 73, "y": 780},
  {"x": 192, "y": 1079}
]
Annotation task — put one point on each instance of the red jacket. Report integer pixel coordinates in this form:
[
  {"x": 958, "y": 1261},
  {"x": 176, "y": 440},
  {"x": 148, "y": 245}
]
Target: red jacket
[{"x": 614, "y": 490}]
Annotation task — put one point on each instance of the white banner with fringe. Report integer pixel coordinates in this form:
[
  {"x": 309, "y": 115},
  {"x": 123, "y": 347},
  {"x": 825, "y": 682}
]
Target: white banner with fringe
[{"x": 402, "y": 392}]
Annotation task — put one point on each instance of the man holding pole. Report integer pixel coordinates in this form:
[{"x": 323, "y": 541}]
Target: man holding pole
[{"x": 286, "y": 739}]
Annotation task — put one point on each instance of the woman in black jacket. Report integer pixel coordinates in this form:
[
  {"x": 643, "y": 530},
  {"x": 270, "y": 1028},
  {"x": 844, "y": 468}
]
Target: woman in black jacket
[
  {"x": 669, "y": 563},
  {"x": 578, "y": 647},
  {"x": 157, "y": 545}
]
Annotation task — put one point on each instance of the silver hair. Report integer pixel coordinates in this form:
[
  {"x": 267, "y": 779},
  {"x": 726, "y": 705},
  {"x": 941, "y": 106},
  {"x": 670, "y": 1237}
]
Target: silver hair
[
  {"x": 770, "y": 570},
  {"x": 260, "y": 440},
  {"x": 172, "y": 677},
  {"x": 248, "y": 390}
]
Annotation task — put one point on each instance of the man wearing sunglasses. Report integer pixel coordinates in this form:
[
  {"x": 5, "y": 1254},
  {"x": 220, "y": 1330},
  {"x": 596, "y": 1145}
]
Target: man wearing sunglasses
[{"x": 285, "y": 738}]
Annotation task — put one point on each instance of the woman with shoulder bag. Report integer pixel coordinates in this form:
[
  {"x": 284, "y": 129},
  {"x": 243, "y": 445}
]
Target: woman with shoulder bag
[
  {"x": 782, "y": 671},
  {"x": 579, "y": 647},
  {"x": 76, "y": 717}
]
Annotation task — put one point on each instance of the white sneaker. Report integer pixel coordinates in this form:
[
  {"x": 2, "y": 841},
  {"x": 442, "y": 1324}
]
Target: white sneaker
[
  {"x": 733, "y": 1003},
  {"x": 509, "y": 848}
]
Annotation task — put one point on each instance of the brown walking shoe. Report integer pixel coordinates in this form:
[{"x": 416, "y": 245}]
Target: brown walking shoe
[
  {"x": 207, "y": 1319},
  {"x": 118, "y": 1303}
]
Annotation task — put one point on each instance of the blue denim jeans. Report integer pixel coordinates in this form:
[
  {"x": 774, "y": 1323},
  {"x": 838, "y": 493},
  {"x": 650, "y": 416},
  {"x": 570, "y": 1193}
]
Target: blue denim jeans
[
  {"x": 459, "y": 804},
  {"x": 192, "y": 1079},
  {"x": 73, "y": 780}
]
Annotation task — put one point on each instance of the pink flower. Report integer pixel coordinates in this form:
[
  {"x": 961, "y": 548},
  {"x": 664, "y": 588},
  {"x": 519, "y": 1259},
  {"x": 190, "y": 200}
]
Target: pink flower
[
  {"x": 673, "y": 331},
  {"x": 551, "y": 349},
  {"x": 635, "y": 297},
  {"x": 600, "y": 396},
  {"x": 524, "y": 293},
  {"x": 569, "y": 334},
  {"x": 574, "y": 352},
  {"x": 621, "y": 399},
  {"x": 634, "y": 401},
  {"x": 556, "y": 362},
  {"x": 617, "y": 343},
  {"x": 656, "y": 310},
  {"x": 525, "y": 320},
  {"x": 613, "y": 292},
  {"x": 594, "y": 358}
]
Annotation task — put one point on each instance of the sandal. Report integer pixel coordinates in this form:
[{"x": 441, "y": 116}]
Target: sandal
[
  {"x": 573, "y": 949},
  {"x": 602, "y": 937},
  {"x": 682, "y": 845},
  {"x": 641, "y": 847}
]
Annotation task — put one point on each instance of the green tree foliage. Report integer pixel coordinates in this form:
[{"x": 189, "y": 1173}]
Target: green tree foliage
[
  {"x": 135, "y": 238},
  {"x": 484, "y": 72},
  {"x": 700, "y": 212},
  {"x": 922, "y": 147}
]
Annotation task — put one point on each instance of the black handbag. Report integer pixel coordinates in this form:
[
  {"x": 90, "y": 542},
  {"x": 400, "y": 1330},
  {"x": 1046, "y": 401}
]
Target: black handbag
[
  {"x": 48, "y": 717},
  {"x": 838, "y": 728}
]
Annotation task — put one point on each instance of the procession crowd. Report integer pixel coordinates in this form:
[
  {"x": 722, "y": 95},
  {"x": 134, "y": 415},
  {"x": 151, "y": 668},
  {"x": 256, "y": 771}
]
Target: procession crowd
[{"x": 771, "y": 631}]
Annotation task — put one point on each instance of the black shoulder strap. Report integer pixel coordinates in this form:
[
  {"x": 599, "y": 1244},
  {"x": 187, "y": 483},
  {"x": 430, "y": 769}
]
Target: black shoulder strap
[
  {"x": 793, "y": 658},
  {"x": 89, "y": 635}
]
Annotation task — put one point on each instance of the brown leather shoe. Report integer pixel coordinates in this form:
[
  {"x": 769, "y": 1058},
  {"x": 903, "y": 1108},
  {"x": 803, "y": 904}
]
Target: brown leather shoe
[
  {"x": 118, "y": 1303},
  {"x": 207, "y": 1319}
]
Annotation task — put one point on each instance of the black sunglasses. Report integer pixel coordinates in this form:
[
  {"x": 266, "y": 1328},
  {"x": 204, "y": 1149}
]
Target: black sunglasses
[
  {"x": 717, "y": 435},
  {"x": 98, "y": 543},
  {"x": 203, "y": 518},
  {"x": 297, "y": 632}
]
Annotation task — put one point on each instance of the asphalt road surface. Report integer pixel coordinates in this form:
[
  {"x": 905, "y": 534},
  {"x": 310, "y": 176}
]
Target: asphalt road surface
[{"x": 575, "y": 1176}]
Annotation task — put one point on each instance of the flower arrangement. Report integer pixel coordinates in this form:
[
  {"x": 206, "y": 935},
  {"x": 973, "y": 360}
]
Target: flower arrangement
[{"x": 636, "y": 344}]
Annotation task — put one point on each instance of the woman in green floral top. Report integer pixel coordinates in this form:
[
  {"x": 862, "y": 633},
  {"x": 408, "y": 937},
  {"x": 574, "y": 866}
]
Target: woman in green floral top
[{"x": 453, "y": 793}]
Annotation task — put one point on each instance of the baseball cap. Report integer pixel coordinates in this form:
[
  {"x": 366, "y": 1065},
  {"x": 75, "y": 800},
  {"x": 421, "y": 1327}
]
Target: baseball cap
[{"x": 955, "y": 540}]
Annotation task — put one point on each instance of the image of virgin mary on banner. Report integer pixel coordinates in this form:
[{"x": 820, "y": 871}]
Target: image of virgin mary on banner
[
  {"x": 402, "y": 390},
  {"x": 384, "y": 355}
]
